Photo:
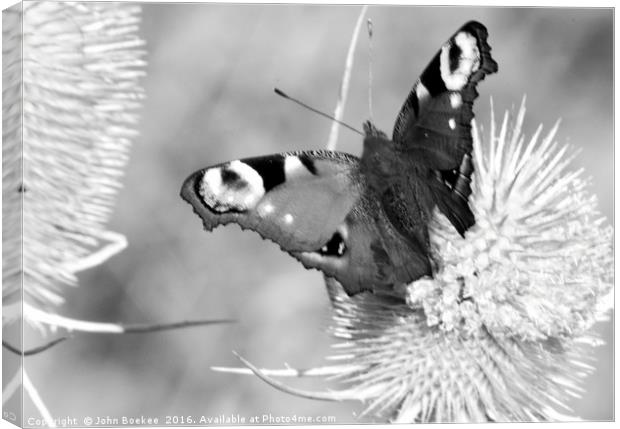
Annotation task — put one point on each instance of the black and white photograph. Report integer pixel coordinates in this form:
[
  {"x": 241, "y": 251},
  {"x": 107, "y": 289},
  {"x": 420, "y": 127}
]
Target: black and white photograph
[{"x": 230, "y": 214}]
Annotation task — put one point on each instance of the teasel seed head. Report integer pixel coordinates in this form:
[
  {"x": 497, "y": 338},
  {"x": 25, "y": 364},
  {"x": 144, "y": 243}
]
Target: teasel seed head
[
  {"x": 502, "y": 330},
  {"x": 70, "y": 104}
]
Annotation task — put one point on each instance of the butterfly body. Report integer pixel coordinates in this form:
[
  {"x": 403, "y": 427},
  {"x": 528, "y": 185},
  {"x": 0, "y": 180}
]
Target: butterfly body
[{"x": 364, "y": 221}]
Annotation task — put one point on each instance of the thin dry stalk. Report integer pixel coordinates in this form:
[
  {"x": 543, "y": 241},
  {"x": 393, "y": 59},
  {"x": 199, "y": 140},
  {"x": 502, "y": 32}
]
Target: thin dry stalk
[{"x": 344, "y": 85}]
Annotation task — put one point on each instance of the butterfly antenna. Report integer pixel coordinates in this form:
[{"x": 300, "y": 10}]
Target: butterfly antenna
[
  {"x": 312, "y": 109},
  {"x": 369, "y": 27}
]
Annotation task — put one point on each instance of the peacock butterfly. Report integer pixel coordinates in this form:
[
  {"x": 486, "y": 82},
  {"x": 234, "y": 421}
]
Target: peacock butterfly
[{"x": 364, "y": 221}]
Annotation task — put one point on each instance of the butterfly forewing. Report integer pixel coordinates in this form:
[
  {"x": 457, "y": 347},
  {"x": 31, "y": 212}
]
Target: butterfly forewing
[
  {"x": 435, "y": 120},
  {"x": 433, "y": 128},
  {"x": 295, "y": 199}
]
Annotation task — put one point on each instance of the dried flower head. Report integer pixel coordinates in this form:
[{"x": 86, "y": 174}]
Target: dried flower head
[
  {"x": 80, "y": 65},
  {"x": 539, "y": 258},
  {"x": 71, "y": 90},
  {"x": 500, "y": 333}
]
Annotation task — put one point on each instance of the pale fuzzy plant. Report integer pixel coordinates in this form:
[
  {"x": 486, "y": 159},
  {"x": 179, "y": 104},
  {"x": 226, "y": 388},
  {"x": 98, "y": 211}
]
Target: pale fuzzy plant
[
  {"x": 81, "y": 65},
  {"x": 502, "y": 332},
  {"x": 71, "y": 94}
]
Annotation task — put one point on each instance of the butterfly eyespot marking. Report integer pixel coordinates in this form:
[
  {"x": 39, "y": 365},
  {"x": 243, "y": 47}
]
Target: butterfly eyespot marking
[
  {"x": 288, "y": 218},
  {"x": 459, "y": 60},
  {"x": 230, "y": 177},
  {"x": 469, "y": 49},
  {"x": 335, "y": 246},
  {"x": 232, "y": 187}
]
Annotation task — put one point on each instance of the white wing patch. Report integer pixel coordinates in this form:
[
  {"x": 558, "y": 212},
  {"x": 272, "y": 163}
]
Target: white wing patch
[
  {"x": 421, "y": 91},
  {"x": 469, "y": 61},
  {"x": 293, "y": 166},
  {"x": 455, "y": 100},
  {"x": 233, "y": 187},
  {"x": 265, "y": 209}
]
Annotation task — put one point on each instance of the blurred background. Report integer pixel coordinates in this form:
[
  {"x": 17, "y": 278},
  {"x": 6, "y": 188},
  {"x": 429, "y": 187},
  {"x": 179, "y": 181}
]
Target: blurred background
[{"x": 211, "y": 74}]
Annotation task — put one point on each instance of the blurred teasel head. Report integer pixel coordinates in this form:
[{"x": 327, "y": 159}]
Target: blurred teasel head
[{"x": 71, "y": 95}]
